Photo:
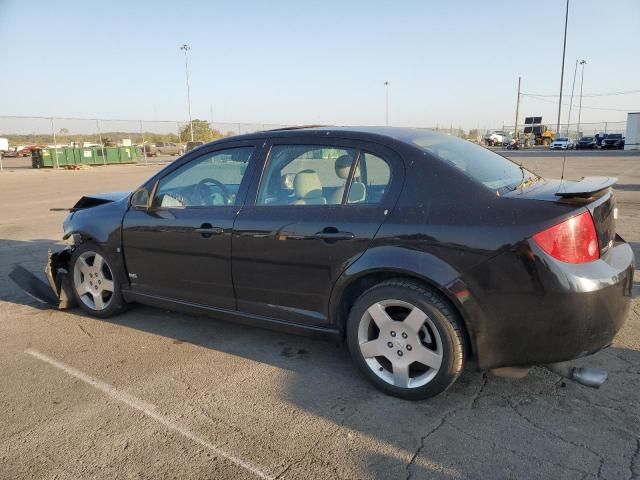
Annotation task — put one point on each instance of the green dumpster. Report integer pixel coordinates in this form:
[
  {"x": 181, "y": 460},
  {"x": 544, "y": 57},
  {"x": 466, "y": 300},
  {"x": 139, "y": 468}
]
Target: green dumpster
[
  {"x": 46, "y": 157},
  {"x": 112, "y": 154},
  {"x": 73, "y": 156}
]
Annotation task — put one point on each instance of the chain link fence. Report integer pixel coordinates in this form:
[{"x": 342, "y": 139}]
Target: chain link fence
[
  {"x": 572, "y": 130},
  {"x": 65, "y": 131}
]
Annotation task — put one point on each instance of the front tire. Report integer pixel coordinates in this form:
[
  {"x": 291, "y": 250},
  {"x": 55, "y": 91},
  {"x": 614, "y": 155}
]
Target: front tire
[
  {"x": 406, "y": 339},
  {"x": 94, "y": 284}
]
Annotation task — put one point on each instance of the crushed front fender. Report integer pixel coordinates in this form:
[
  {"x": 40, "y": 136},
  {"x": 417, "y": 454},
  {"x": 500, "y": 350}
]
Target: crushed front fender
[{"x": 57, "y": 270}]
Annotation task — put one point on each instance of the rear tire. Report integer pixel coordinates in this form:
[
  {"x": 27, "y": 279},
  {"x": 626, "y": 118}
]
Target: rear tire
[
  {"x": 94, "y": 283},
  {"x": 406, "y": 339}
]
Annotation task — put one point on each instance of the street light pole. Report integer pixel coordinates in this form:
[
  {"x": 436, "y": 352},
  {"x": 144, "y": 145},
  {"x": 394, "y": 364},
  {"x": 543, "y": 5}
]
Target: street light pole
[
  {"x": 386, "y": 103},
  {"x": 564, "y": 48},
  {"x": 583, "y": 63},
  {"x": 515, "y": 133},
  {"x": 186, "y": 49}
]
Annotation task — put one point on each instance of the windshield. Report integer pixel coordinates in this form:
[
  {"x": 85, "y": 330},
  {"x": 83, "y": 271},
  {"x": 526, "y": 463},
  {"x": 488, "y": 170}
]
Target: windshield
[
  {"x": 492, "y": 170},
  {"x": 561, "y": 139},
  {"x": 587, "y": 139},
  {"x": 614, "y": 135}
]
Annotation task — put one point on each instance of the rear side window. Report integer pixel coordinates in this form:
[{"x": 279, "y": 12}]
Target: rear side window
[
  {"x": 322, "y": 175},
  {"x": 305, "y": 175},
  {"x": 492, "y": 170},
  {"x": 370, "y": 180}
]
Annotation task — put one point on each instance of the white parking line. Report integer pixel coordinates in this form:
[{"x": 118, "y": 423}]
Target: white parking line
[{"x": 148, "y": 410}]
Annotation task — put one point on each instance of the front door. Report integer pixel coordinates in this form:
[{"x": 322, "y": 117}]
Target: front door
[
  {"x": 315, "y": 211},
  {"x": 180, "y": 247}
]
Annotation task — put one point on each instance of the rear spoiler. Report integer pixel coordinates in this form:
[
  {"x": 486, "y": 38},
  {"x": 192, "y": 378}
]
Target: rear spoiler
[{"x": 585, "y": 187}]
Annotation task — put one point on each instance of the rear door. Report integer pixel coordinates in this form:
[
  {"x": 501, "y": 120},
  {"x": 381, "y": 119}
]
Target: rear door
[{"x": 313, "y": 211}]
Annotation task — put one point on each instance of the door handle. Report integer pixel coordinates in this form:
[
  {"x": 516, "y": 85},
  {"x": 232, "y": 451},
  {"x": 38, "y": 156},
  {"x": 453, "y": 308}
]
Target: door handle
[
  {"x": 206, "y": 230},
  {"x": 333, "y": 234}
]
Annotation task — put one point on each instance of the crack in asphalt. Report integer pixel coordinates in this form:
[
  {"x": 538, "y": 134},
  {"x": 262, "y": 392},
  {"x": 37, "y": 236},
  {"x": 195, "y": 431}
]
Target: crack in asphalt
[
  {"x": 418, "y": 451},
  {"x": 84, "y": 331},
  {"x": 633, "y": 465},
  {"x": 443, "y": 420},
  {"x": 519, "y": 453},
  {"x": 478, "y": 395},
  {"x": 540, "y": 428}
]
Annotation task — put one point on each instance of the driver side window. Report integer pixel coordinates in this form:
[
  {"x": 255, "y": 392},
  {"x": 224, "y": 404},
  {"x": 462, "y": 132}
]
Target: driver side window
[{"x": 208, "y": 181}]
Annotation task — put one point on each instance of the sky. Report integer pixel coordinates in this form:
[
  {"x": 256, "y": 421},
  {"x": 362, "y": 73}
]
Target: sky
[{"x": 316, "y": 62}]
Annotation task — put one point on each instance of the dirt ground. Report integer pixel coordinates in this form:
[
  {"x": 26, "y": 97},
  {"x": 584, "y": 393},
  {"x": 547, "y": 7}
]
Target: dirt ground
[{"x": 153, "y": 394}]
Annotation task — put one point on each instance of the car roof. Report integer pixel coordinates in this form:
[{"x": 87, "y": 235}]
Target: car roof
[{"x": 371, "y": 133}]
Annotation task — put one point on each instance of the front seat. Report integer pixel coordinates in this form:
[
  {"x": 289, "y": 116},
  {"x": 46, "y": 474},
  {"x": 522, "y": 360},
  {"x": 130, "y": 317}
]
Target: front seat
[
  {"x": 358, "y": 192},
  {"x": 308, "y": 189}
]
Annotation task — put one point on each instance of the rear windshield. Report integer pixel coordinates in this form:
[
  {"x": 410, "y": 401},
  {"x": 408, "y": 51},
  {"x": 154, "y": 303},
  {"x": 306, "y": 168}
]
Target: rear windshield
[
  {"x": 587, "y": 139},
  {"x": 615, "y": 135},
  {"x": 492, "y": 170}
]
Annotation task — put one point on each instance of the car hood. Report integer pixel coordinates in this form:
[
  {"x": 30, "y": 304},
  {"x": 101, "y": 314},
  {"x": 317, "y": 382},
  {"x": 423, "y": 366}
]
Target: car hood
[{"x": 96, "y": 199}]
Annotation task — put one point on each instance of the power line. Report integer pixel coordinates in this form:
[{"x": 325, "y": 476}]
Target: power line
[
  {"x": 541, "y": 99},
  {"x": 608, "y": 94}
]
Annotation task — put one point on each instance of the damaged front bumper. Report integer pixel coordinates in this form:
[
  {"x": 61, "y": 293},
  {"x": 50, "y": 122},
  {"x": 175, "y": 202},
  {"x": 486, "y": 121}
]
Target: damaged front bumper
[{"x": 57, "y": 270}]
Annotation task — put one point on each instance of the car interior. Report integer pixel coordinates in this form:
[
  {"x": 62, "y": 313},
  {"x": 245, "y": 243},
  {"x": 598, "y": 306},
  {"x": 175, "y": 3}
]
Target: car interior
[
  {"x": 213, "y": 180},
  {"x": 299, "y": 175}
]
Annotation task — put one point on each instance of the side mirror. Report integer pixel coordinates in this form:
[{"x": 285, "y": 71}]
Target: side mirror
[{"x": 140, "y": 199}]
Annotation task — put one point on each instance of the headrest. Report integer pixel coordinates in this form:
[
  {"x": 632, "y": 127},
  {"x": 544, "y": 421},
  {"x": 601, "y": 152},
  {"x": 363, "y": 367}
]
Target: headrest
[
  {"x": 343, "y": 166},
  {"x": 307, "y": 185}
]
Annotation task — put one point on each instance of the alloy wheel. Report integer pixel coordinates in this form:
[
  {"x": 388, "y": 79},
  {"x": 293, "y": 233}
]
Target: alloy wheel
[
  {"x": 400, "y": 343},
  {"x": 93, "y": 280}
]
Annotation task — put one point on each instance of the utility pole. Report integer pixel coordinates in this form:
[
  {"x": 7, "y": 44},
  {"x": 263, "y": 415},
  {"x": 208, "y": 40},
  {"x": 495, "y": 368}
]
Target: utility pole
[
  {"x": 186, "y": 49},
  {"x": 583, "y": 63},
  {"x": 575, "y": 71},
  {"x": 104, "y": 156},
  {"x": 144, "y": 150},
  {"x": 515, "y": 131},
  {"x": 386, "y": 103},
  {"x": 55, "y": 144},
  {"x": 564, "y": 48}
]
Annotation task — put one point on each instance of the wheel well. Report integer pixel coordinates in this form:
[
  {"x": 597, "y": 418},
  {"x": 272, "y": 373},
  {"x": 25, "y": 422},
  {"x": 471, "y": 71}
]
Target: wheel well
[
  {"x": 362, "y": 284},
  {"x": 77, "y": 237}
]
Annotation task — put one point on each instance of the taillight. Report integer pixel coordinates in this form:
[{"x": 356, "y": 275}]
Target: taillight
[{"x": 573, "y": 241}]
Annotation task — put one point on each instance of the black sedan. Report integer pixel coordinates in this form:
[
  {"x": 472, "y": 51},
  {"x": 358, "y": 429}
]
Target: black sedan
[
  {"x": 587, "y": 143},
  {"x": 421, "y": 250}
]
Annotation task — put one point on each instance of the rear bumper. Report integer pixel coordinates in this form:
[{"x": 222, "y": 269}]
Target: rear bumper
[{"x": 530, "y": 309}]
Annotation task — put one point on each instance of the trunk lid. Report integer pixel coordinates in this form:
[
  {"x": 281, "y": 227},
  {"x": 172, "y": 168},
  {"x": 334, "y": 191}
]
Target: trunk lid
[{"x": 594, "y": 193}]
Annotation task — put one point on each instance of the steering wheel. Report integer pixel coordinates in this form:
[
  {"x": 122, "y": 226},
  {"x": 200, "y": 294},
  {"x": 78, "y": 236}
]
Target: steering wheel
[{"x": 204, "y": 198}]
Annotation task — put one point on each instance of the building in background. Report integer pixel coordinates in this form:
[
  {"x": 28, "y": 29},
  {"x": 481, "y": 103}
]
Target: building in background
[{"x": 632, "y": 140}]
